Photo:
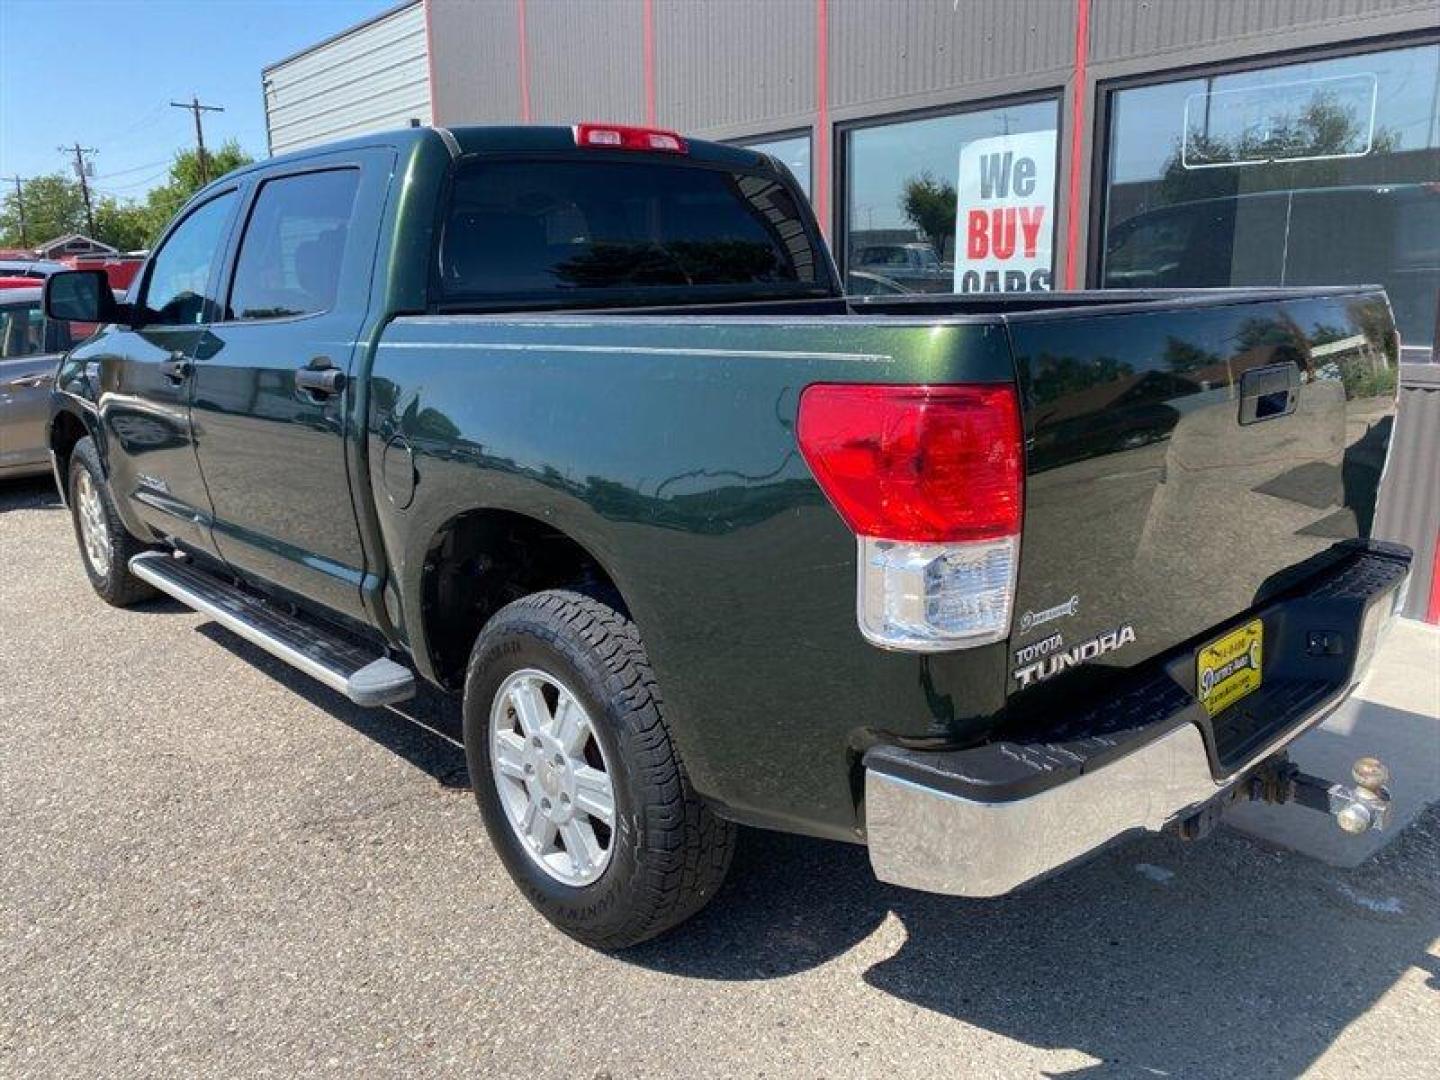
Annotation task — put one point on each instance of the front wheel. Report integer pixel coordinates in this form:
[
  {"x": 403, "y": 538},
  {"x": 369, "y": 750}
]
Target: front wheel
[
  {"x": 580, "y": 786},
  {"x": 105, "y": 546}
]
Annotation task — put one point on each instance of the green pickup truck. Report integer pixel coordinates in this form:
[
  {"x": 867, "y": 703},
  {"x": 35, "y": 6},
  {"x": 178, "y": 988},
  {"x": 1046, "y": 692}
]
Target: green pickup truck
[{"x": 578, "y": 423}]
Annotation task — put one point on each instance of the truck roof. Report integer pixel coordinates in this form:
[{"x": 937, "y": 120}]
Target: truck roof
[{"x": 504, "y": 139}]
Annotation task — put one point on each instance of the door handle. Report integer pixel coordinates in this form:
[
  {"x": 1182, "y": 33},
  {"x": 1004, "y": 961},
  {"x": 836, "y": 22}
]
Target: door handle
[
  {"x": 320, "y": 380},
  {"x": 175, "y": 369}
]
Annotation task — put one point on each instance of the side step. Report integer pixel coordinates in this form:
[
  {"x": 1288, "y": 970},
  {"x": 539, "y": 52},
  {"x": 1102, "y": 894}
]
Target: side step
[{"x": 359, "y": 675}]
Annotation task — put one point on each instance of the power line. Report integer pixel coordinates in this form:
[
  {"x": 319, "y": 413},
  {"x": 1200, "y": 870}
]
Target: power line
[
  {"x": 134, "y": 169},
  {"x": 20, "y": 208},
  {"x": 196, "y": 109},
  {"x": 80, "y": 166}
]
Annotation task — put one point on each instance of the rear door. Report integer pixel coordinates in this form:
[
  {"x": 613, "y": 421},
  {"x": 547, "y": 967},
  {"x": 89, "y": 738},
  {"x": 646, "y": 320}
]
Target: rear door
[
  {"x": 145, "y": 370},
  {"x": 271, "y": 388}
]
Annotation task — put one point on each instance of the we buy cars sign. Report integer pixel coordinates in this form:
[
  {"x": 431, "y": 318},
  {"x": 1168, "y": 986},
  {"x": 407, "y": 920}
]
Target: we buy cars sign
[{"x": 1005, "y": 202}]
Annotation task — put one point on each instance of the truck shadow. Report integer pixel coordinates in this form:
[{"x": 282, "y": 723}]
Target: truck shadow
[
  {"x": 29, "y": 493},
  {"x": 1158, "y": 958},
  {"x": 1240, "y": 962},
  {"x": 425, "y": 731}
]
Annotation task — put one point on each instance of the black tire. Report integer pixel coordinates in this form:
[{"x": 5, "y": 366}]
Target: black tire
[
  {"x": 114, "y": 583},
  {"x": 669, "y": 852}
]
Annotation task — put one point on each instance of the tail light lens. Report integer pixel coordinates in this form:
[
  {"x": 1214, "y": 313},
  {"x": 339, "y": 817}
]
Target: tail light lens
[{"x": 930, "y": 478}]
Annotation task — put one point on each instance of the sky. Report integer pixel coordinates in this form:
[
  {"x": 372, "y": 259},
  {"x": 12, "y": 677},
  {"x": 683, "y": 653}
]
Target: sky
[{"x": 105, "y": 71}]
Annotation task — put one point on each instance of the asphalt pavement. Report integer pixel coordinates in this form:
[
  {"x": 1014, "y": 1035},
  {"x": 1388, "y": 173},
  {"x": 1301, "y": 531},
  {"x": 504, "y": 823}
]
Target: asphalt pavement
[{"x": 212, "y": 866}]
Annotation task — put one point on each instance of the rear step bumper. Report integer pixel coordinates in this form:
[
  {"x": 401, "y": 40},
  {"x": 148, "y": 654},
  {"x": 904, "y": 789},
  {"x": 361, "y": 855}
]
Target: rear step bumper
[
  {"x": 334, "y": 661},
  {"x": 983, "y": 821}
]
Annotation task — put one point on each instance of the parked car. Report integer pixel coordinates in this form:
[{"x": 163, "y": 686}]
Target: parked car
[
  {"x": 861, "y": 283},
  {"x": 30, "y": 348},
  {"x": 914, "y": 266},
  {"x": 34, "y": 269},
  {"x": 578, "y": 425}
]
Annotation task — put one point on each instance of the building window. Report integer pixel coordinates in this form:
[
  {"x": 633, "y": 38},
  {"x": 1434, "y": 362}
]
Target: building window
[
  {"x": 957, "y": 203},
  {"x": 1316, "y": 173},
  {"x": 793, "y": 151}
]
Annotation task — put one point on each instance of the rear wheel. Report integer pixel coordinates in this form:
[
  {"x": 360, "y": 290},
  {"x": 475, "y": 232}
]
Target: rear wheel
[
  {"x": 581, "y": 789},
  {"x": 105, "y": 546}
]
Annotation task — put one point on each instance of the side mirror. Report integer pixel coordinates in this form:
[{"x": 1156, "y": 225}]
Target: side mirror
[{"x": 81, "y": 296}]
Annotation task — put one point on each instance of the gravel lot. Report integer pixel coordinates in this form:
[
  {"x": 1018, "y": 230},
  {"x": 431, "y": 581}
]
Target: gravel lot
[{"x": 213, "y": 866}]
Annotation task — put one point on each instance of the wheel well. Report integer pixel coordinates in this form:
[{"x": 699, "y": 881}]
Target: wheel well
[
  {"x": 482, "y": 560},
  {"x": 65, "y": 431}
]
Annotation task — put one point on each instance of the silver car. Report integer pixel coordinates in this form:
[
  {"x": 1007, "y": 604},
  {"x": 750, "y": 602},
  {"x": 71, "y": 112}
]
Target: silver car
[{"x": 30, "y": 350}]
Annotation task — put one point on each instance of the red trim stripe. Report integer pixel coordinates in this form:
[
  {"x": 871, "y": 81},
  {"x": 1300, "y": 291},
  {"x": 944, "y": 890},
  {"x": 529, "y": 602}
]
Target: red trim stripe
[
  {"x": 1432, "y": 609},
  {"x": 524, "y": 46},
  {"x": 1077, "y": 143},
  {"x": 648, "y": 22},
  {"x": 820, "y": 180},
  {"x": 430, "y": 61}
]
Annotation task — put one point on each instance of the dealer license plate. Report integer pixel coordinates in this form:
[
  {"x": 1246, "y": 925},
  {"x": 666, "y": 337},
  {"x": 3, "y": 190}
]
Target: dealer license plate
[{"x": 1229, "y": 667}]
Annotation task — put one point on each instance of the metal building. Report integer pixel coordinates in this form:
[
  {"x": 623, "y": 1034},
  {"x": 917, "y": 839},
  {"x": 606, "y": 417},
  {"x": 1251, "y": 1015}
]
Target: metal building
[
  {"x": 962, "y": 145},
  {"x": 371, "y": 77}
]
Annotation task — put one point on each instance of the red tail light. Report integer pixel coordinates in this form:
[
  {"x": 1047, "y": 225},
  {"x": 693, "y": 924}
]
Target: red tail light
[
  {"x": 925, "y": 464},
  {"x": 623, "y": 137}
]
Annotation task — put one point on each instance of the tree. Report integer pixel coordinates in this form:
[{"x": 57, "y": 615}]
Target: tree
[
  {"x": 165, "y": 201},
  {"x": 125, "y": 226},
  {"x": 53, "y": 207},
  {"x": 930, "y": 206}
]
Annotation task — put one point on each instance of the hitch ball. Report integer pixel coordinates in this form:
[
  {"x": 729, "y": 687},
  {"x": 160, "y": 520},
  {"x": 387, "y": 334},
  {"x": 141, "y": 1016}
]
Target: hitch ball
[
  {"x": 1363, "y": 807},
  {"x": 1354, "y": 818},
  {"x": 1371, "y": 774}
]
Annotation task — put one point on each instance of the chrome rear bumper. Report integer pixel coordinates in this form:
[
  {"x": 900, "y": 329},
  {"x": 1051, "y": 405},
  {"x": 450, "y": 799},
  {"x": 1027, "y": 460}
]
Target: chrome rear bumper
[
  {"x": 932, "y": 824},
  {"x": 928, "y": 839}
]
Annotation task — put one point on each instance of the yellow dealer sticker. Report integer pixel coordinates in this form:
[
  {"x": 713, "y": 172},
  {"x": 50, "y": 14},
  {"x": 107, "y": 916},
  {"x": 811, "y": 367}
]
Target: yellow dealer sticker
[{"x": 1229, "y": 668}]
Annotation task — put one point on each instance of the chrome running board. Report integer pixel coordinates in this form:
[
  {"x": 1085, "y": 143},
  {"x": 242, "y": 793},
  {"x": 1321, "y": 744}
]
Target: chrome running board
[{"x": 345, "y": 667}]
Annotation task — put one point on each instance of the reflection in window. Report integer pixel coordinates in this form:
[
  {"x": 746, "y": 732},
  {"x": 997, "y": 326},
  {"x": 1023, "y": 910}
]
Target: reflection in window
[
  {"x": 793, "y": 153},
  {"x": 294, "y": 246},
  {"x": 1319, "y": 173},
  {"x": 905, "y": 187},
  {"x": 534, "y": 230}
]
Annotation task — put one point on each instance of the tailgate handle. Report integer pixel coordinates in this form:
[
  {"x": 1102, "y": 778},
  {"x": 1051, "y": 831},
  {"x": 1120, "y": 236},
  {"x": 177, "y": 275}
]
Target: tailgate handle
[{"x": 1269, "y": 392}]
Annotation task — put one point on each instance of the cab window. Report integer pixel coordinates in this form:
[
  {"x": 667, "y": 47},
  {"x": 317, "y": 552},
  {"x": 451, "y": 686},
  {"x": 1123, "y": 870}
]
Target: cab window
[
  {"x": 294, "y": 246},
  {"x": 177, "y": 290}
]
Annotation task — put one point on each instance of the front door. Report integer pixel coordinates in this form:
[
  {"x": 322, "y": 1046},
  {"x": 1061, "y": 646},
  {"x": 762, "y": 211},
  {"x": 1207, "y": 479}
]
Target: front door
[
  {"x": 144, "y": 374},
  {"x": 271, "y": 393}
]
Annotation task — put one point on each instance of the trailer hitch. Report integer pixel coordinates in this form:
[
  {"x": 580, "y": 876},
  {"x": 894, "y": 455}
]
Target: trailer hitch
[{"x": 1357, "y": 808}]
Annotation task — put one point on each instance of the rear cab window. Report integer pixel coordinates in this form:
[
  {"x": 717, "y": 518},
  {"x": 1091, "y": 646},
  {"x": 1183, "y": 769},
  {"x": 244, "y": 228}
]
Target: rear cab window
[{"x": 563, "y": 232}]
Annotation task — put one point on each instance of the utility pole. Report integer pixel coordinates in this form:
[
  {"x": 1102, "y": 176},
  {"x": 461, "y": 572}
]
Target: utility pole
[
  {"x": 20, "y": 209},
  {"x": 195, "y": 108},
  {"x": 80, "y": 152}
]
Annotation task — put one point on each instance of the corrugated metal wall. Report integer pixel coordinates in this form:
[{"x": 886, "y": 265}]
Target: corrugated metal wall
[
  {"x": 1409, "y": 507},
  {"x": 373, "y": 77},
  {"x": 747, "y": 64},
  {"x": 900, "y": 55}
]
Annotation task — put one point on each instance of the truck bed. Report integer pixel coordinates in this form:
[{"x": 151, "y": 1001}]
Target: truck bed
[{"x": 663, "y": 441}]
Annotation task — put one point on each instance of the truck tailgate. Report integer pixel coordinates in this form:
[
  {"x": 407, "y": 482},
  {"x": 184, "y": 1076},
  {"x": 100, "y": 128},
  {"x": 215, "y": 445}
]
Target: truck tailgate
[{"x": 1185, "y": 461}]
